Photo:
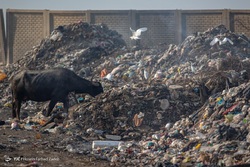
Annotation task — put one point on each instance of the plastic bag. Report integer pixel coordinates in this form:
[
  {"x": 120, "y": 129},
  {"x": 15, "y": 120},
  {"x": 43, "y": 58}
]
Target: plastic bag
[
  {"x": 103, "y": 73},
  {"x": 2, "y": 76}
]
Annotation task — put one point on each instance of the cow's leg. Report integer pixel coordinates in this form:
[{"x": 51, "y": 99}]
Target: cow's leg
[
  {"x": 66, "y": 104},
  {"x": 18, "y": 108},
  {"x": 13, "y": 103},
  {"x": 52, "y": 104},
  {"x": 66, "y": 108},
  {"x": 13, "y": 109}
]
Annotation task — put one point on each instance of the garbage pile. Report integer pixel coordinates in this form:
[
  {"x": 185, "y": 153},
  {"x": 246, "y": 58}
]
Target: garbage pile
[
  {"x": 185, "y": 105},
  {"x": 71, "y": 46}
]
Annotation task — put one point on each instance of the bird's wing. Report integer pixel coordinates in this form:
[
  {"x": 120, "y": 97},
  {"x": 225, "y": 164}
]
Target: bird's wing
[
  {"x": 138, "y": 32},
  {"x": 143, "y": 29},
  {"x": 132, "y": 30}
]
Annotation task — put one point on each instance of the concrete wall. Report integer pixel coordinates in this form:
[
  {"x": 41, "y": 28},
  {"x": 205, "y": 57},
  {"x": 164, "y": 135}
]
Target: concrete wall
[
  {"x": 199, "y": 21},
  {"x": 161, "y": 27},
  {"x": 240, "y": 22},
  {"x": 26, "y": 28}
]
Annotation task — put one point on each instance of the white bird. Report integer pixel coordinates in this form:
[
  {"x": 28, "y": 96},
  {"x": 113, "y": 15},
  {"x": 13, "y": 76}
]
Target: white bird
[
  {"x": 136, "y": 34},
  {"x": 221, "y": 42}
]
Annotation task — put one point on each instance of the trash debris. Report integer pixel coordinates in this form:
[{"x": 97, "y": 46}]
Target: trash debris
[
  {"x": 2, "y": 76},
  {"x": 105, "y": 143},
  {"x": 14, "y": 125},
  {"x": 175, "y": 105},
  {"x": 138, "y": 118},
  {"x": 113, "y": 137},
  {"x": 221, "y": 42}
]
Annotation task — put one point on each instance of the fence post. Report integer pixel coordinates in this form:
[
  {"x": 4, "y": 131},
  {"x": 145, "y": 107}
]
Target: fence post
[
  {"x": 226, "y": 18},
  {"x": 8, "y": 47},
  {"x": 2, "y": 39},
  {"x": 46, "y": 23},
  {"x": 88, "y": 17},
  {"x": 178, "y": 24}
]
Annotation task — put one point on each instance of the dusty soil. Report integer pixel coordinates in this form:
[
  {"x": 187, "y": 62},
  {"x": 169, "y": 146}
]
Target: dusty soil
[{"x": 23, "y": 147}]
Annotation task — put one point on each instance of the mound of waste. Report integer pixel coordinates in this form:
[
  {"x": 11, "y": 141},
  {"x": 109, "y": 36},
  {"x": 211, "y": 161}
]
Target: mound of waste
[
  {"x": 78, "y": 43},
  {"x": 185, "y": 105}
]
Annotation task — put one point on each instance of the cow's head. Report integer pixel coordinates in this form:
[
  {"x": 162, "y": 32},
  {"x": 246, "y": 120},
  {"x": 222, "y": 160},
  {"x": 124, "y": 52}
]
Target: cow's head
[{"x": 96, "y": 89}]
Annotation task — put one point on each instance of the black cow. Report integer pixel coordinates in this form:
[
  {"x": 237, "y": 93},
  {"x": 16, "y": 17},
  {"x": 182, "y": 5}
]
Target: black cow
[{"x": 53, "y": 84}]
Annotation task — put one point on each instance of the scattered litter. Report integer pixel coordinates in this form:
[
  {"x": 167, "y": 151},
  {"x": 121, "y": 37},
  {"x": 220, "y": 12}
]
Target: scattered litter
[{"x": 180, "y": 105}]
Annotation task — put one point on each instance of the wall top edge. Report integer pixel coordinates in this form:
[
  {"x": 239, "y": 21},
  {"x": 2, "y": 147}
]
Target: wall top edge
[
  {"x": 239, "y": 11},
  {"x": 154, "y": 10},
  {"x": 25, "y": 10}
]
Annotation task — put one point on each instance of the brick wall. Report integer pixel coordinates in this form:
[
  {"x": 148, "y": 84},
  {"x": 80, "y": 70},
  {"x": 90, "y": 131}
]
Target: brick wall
[{"x": 26, "y": 28}]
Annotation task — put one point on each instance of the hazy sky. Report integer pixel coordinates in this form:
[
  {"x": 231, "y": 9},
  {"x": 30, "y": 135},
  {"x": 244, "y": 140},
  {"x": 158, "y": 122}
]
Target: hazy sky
[{"x": 124, "y": 4}]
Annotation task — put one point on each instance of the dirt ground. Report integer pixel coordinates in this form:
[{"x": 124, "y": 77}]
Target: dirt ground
[{"x": 29, "y": 147}]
